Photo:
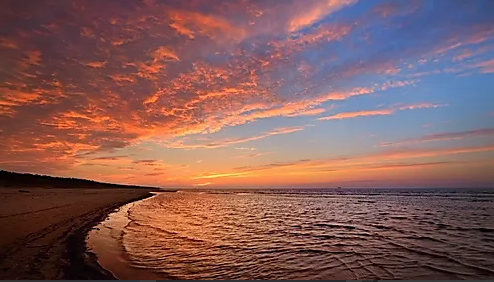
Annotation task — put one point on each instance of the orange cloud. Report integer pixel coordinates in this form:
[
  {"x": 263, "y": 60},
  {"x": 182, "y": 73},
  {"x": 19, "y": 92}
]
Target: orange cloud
[
  {"x": 154, "y": 174},
  {"x": 308, "y": 112},
  {"x": 164, "y": 53},
  {"x": 148, "y": 70},
  {"x": 11, "y": 98},
  {"x": 145, "y": 162},
  {"x": 122, "y": 78},
  {"x": 159, "y": 70},
  {"x": 359, "y": 162},
  {"x": 408, "y": 166},
  {"x": 96, "y": 64},
  {"x": 297, "y": 108},
  {"x": 32, "y": 58},
  {"x": 84, "y": 31},
  {"x": 202, "y": 184},
  {"x": 219, "y": 175},
  {"x": 380, "y": 112},
  {"x": 110, "y": 158},
  {"x": 189, "y": 23},
  {"x": 254, "y": 155},
  {"x": 324, "y": 33},
  {"x": 8, "y": 43},
  {"x": 182, "y": 30},
  {"x": 228, "y": 142},
  {"x": 345, "y": 95}
]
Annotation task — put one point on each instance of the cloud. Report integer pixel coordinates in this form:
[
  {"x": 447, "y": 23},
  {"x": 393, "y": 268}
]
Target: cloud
[
  {"x": 420, "y": 106},
  {"x": 308, "y": 112},
  {"x": 296, "y": 108},
  {"x": 373, "y": 161},
  {"x": 145, "y": 162},
  {"x": 160, "y": 70},
  {"x": 471, "y": 53},
  {"x": 278, "y": 165},
  {"x": 408, "y": 165},
  {"x": 486, "y": 66},
  {"x": 154, "y": 174},
  {"x": 189, "y": 23},
  {"x": 164, "y": 53},
  {"x": 94, "y": 164},
  {"x": 30, "y": 58},
  {"x": 218, "y": 175},
  {"x": 468, "y": 68},
  {"x": 316, "y": 11},
  {"x": 122, "y": 78},
  {"x": 444, "y": 136},
  {"x": 202, "y": 184},
  {"x": 126, "y": 168},
  {"x": 420, "y": 153},
  {"x": 254, "y": 155},
  {"x": 96, "y": 64},
  {"x": 398, "y": 83},
  {"x": 380, "y": 112},
  {"x": 244, "y": 148},
  {"x": 110, "y": 158},
  {"x": 395, "y": 8},
  {"x": 358, "y": 114},
  {"x": 8, "y": 43},
  {"x": 224, "y": 143}
]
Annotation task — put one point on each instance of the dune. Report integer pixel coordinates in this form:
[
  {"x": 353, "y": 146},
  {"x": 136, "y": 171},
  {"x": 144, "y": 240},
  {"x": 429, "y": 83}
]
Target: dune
[{"x": 42, "y": 230}]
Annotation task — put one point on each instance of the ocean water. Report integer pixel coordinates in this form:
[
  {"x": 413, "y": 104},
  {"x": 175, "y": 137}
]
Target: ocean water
[{"x": 301, "y": 234}]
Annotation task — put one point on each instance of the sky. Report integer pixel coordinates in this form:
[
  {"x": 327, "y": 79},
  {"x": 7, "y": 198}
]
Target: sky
[{"x": 266, "y": 93}]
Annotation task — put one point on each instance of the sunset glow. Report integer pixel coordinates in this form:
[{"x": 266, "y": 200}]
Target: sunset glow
[{"x": 319, "y": 93}]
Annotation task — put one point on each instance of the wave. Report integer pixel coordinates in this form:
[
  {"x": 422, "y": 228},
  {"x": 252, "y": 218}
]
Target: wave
[{"x": 308, "y": 235}]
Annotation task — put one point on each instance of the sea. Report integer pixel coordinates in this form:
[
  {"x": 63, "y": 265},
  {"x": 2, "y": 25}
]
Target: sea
[{"x": 301, "y": 234}]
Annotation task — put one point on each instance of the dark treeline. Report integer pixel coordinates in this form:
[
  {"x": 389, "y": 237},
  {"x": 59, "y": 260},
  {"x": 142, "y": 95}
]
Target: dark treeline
[{"x": 15, "y": 179}]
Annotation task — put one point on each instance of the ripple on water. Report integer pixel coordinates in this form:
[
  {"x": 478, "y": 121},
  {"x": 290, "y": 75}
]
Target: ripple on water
[{"x": 312, "y": 235}]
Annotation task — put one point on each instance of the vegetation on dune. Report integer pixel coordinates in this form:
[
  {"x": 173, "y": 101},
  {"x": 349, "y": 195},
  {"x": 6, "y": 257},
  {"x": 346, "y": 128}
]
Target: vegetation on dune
[{"x": 15, "y": 179}]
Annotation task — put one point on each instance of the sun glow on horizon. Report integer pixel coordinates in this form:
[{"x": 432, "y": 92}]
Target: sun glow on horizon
[{"x": 249, "y": 93}]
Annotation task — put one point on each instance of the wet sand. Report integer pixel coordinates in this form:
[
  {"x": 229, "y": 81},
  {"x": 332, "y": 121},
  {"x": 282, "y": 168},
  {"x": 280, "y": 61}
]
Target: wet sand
[{"x": 42, "y": 231}]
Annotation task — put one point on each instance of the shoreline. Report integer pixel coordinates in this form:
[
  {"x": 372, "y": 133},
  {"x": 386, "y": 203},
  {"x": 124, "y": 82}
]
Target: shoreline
[
  {"x": 83, "y": 264},
  {"x": 43, "y": 231}
]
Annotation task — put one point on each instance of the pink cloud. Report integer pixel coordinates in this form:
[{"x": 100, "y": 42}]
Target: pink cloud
[
  {"x": 445, "y": 136},
  {"x": 310, "y": 13},
  {"x": 359, "y": 114}
]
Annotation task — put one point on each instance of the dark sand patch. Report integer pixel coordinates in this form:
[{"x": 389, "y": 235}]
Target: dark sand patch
[{"x": 42, "y": 232}]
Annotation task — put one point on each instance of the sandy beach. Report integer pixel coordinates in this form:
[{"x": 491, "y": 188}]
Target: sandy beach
[{"x": 42, "y": 231}]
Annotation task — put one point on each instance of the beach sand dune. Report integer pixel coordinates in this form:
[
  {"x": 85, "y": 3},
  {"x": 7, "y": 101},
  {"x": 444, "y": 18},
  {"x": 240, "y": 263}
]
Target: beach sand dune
[{"x": 42, "y": 230}]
